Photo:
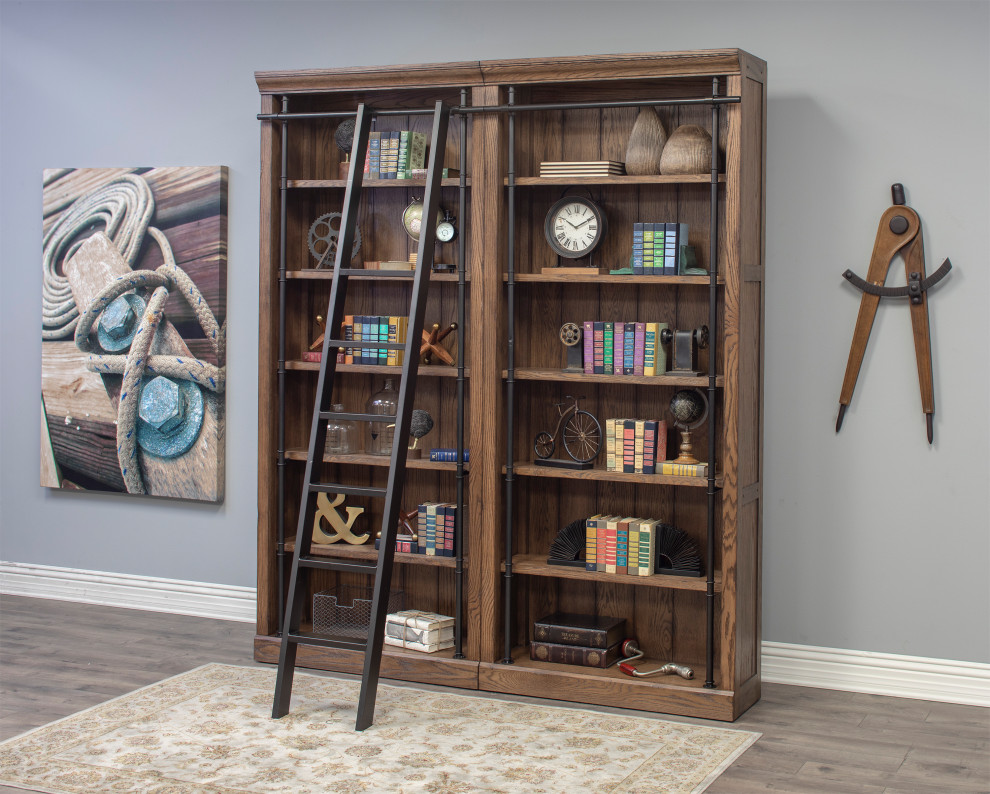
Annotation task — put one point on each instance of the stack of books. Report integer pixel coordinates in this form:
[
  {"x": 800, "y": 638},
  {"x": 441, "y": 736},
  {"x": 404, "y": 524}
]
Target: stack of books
[
  {"x": 416, "y": 630},
  {"x": 635, "y": 446},
  {"x": 625, "y": 546},
  {"x": 589, "y": 168},
  {"x": 623, "y": 348},
  {"x": 656, "y": 248},
  {"x": 586, "y": 640}
]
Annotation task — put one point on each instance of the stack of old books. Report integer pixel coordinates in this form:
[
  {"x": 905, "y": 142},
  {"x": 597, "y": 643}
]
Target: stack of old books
[
  {"x": 586, "y": 640},
  {"x": 589, "y": 168},
  {"x": 416, "y": 630}
]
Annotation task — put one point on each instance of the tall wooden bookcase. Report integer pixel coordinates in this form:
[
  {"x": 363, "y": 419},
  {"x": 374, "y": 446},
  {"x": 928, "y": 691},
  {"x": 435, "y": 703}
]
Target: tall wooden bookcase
[{"x": 509, "y": 116}]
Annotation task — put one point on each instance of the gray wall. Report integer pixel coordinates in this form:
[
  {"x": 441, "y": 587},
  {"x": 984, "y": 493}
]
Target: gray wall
[{"x": 873, "y": 540}]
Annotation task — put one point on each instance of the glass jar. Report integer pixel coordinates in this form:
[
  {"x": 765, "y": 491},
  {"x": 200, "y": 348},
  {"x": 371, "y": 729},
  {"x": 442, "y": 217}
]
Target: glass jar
[
  {"x": 342, "y": 434},
  {"x": 384, "y": 402}
]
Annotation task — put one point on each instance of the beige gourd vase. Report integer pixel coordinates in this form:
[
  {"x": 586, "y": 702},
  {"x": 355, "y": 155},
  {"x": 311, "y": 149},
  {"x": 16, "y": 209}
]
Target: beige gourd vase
[
  {"x": 688, "y": 151},
  {"x": 646, "y": 142}
]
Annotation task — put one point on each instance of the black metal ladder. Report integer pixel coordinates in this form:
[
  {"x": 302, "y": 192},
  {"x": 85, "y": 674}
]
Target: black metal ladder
[{"x": 302, "y": 560}]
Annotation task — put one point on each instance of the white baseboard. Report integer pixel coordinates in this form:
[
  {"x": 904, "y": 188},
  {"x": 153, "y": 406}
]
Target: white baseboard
[
  {"x": 783, "y": 663},
  {"x": 225, "y": 602},
  {"x": 877, "y": 673}
]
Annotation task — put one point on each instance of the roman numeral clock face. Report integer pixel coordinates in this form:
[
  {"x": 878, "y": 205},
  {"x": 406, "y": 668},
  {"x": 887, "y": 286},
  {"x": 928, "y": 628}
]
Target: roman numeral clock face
[{"x": 574, "y": 227}]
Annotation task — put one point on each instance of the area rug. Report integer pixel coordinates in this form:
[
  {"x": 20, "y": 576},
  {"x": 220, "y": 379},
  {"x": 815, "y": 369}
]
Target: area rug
[{"x": 210, "y": 730}]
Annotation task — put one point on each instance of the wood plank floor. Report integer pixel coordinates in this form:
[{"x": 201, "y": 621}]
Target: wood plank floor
[{"x": 58, "y": 657}]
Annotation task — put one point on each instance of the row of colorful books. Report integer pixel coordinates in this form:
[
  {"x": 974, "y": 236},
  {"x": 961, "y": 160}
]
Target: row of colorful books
[
  {"x": 393, "y": 154},
  {"x": 656, "y": 248},
  {"x": 621, "y": 545},
  {"x": 635, "y": 446},
  {"x": 623, "y": 348},
  {"x": 585, "y": 640},
  {"x": 434, "y": 536},
  {"x": 373, "y": 328}
]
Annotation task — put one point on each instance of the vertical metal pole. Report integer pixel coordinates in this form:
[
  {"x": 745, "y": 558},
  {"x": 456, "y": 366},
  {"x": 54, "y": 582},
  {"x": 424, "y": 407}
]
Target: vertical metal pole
[
  {"x": 280, "y": 452},
  {"x": 510, "y": 380},
  {"x": 461, "y": 345},
  {"x": 712, "y": 362}
]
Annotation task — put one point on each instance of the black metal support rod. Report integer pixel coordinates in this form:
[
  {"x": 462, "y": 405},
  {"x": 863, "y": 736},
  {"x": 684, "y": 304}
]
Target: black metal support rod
[
  {"x": 509, "y": 108},
  {"x": 461, "y": 346},
  {"x": 280, "y": 497},
  {"x": 510, "y": 380},
  {"x": 712, "y": 395}
]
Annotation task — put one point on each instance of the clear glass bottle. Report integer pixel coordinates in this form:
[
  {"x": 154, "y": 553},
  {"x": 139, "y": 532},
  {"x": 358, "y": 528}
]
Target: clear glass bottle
[
  {"x": 384, "y": 402},
  {"x": 342, "y": 434}
]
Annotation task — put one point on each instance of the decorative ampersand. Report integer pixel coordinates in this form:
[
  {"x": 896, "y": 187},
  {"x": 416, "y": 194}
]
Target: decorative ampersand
[{"x": 342, "y": 529}]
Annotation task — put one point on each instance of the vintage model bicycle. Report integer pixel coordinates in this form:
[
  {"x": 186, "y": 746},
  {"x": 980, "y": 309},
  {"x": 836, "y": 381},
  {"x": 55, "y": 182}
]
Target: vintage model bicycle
[{"x": 580, "y": 431}]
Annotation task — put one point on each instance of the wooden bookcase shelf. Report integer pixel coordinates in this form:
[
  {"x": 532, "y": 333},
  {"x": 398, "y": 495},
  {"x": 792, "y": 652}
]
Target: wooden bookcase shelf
[
  {"x": 659, "y": 179},
  {"x": 527, "y": 469},
  {"x": 368, "y": 552},
  {"x": 610, "y": 280},
  {"x": 371, "y": 275},
  {"x": 371, "y": 183},
  {"x": 376, "y": 460},
  {"x": 533, "y": 373},
  {"x": 426, "y": 371},
  {"x": 567, "y": 109},
  {"x": 533, "y": 565}
]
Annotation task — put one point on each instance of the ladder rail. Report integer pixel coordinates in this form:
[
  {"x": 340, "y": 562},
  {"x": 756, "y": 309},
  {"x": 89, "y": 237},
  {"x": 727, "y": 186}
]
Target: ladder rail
[
  {"x": 302, "y": 561},
  {"x": 317, "y": 439},
  {"x": 407, "y": 391}
]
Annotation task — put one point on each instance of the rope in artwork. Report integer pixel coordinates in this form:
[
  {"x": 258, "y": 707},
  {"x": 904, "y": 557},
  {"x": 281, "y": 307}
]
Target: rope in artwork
[{"x": 125, "y": 207}]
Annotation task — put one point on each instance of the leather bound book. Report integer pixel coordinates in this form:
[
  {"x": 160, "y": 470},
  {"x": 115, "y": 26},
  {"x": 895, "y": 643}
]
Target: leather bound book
[
  {"x": 574, "y": 654},
  {"x": 589, "y": 631}
]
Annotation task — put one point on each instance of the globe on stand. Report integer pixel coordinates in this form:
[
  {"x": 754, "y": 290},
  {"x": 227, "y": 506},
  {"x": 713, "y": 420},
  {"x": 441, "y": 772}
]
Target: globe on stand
[{"x": 689, "y": 408}]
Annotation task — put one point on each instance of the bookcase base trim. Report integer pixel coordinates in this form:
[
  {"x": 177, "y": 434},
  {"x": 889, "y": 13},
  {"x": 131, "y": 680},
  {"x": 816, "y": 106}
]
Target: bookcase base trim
[
  {"x": 402, "y": 666},
  {"x": 639, "y": 694}
]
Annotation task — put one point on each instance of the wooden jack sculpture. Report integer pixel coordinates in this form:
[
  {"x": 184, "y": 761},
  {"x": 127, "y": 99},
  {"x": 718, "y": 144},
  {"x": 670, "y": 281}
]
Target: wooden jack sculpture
[
  {"x": 431, "y": 344},
  {"x": 899, "y": 232}
]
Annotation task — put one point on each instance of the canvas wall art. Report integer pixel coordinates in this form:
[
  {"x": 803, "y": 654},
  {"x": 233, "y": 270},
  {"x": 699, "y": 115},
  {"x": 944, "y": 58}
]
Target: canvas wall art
[{"x": 134, "y": 308}]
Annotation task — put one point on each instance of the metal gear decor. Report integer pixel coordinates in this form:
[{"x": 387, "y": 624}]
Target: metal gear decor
[{"x": 323, "y": 235}]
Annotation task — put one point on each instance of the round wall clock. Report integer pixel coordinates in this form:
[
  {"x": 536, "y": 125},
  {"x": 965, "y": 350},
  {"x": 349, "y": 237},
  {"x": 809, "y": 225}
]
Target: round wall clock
[{"x": 574, "y": 227}]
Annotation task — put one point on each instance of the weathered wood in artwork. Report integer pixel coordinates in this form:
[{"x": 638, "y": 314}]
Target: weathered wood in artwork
[
  {"x": 50, "y": 475},
  {"x": 198, "y": 474},
  {"x": 81, "y": 406},
  {"x": 666, "y": 614}
]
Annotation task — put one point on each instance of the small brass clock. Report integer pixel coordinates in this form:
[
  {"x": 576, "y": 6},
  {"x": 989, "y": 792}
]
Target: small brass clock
[{"x": 574, "y": 227}]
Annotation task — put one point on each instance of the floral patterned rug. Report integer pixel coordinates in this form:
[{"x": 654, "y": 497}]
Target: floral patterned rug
[{"x": 209, "y": 730}]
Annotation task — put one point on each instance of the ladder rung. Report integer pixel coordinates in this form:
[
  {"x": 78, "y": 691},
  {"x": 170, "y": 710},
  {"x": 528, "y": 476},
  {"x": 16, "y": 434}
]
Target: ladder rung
[
  {"x": 358, "y": 417},
  {"x": 339, "y": 566},
  {"x": 378, "y": 273},
  {"x": 348, "y": 490},
  {"x": 305, "y": 638},
  {"x": 367, "y": 345}
]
